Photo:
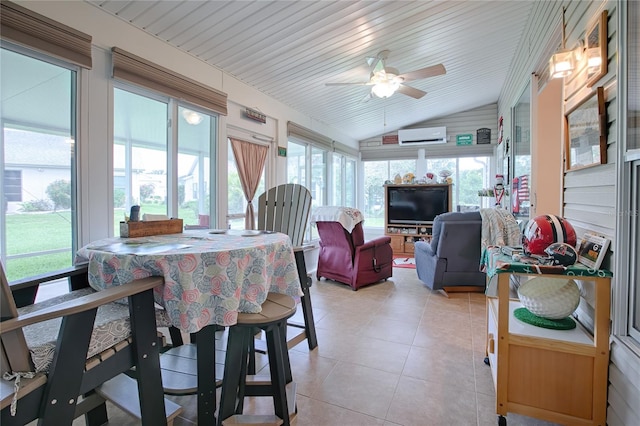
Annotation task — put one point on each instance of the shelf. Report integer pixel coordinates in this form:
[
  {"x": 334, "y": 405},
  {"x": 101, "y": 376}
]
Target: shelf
[{"x": 578, "y": 335}]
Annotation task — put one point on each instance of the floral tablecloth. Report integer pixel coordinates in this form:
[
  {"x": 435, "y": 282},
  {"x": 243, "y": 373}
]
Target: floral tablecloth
[
  {"x": 347, "y": 216},
  {"x": 209, "y": 277}
]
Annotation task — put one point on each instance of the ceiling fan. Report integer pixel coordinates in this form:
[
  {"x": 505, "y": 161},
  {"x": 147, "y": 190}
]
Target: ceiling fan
[{"x": 387, "y": 80}]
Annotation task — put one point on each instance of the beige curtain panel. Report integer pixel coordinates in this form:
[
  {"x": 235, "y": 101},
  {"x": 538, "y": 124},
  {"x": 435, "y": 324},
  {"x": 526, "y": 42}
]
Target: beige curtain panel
[
  {"x": 26, "y": 28},
  {"x": 250, "y": 159},
  {"x": 134, "y": 69}
]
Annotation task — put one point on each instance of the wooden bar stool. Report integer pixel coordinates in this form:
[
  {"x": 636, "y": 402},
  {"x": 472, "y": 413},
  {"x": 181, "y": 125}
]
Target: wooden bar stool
[{"x": 236, "y": 385}]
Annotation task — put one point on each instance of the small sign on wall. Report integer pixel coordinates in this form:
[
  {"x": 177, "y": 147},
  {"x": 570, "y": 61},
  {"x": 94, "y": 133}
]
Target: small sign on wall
[
  {"x": 483, "y": 136},
  {"x": 255, "y": 115},
  {"x": 282, "y": 151},
  {"x": 464, "y": 139},
  {"x": 390, "y": 139}
]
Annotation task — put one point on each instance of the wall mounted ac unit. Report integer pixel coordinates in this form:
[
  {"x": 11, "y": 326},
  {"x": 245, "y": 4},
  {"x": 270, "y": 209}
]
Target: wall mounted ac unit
[{"x": 425, "y": 136}]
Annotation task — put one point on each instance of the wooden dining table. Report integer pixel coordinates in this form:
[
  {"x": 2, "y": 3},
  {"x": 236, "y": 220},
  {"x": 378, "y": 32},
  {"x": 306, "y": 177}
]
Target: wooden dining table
[{"x": 210, "y": 276}]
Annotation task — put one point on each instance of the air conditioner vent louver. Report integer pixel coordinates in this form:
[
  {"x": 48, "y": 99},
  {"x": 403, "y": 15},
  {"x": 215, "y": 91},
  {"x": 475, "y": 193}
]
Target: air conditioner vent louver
[{"x": 426, "y": 136}]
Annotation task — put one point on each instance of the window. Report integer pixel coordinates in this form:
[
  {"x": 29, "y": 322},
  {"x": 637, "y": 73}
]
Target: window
[
  {"x": 38, "y": 222},
  {"x": 331, "y": 175},
  {"x": 343, "y": 177},
  {"x": 468, "y": 174},
  {"x": 237, "y": 204},
  {"x": 630, "y": 190},
  {"x": 520, "y": 198},
  {"x": 196, "y": 133},
  {"x": 376, "y": 173},
  {"x": 12, "y": 185},
  {"x": 142, "y": 172}
]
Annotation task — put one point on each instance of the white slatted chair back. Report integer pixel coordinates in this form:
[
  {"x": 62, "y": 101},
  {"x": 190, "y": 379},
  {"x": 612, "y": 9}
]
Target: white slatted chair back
[{"x": 285, "y": 208}]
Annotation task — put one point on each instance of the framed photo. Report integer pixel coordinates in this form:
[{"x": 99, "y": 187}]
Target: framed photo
[
  {"x": 586, "y": 132},
  {"x": 596, "y": 49},
  {"x": 592, "y": 250}
]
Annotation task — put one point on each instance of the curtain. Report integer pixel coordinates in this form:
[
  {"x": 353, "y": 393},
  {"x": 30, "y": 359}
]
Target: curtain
[{"x": 250, "y": 159}]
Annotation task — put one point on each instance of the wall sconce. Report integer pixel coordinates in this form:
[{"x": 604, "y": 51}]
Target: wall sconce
[{"x": 562, "y": 63}]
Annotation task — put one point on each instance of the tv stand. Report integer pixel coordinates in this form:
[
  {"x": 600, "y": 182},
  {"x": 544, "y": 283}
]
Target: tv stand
[{"x": 404, "y": 235}]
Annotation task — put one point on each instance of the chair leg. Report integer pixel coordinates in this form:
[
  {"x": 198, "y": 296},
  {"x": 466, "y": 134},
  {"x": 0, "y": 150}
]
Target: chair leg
[
  {"x": 234, "y": 364},
  {"x": 176, "y": 336},
  {"x": 67, "y": 368},
  {"x": 206, "y": 378},
  {"x": 96, "y": 416},
  {"x": 147, "y": 353},
  {"x": 277, "y": 369},
  {"x": 305, "y": 301}
]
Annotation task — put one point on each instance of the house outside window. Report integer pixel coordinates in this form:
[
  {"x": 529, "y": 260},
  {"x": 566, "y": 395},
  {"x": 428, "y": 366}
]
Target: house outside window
[{"x": 12, "y": 186}]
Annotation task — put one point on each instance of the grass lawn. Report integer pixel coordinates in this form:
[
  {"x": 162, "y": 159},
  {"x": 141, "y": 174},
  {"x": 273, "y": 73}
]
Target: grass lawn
[{"x": 42, "y": 241}]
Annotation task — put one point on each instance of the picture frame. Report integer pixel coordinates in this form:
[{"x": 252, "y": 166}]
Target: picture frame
[
  {"x": 586, "y": 132},
  {"x": 596, "y": 49},
  {"x": 592, "y": 249}
]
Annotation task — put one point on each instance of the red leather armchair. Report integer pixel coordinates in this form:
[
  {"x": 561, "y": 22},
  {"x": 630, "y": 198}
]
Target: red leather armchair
[{"x": 345, "y": 256}]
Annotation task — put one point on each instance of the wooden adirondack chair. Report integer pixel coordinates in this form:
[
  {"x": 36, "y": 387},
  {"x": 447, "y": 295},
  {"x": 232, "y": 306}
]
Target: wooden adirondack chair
[
  {"x": 285, "y": 208},
  {"x": 51, "y": 393}
]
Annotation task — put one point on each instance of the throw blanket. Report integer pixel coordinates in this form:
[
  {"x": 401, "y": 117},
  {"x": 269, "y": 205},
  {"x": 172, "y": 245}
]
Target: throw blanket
[
  {"x": 347, "y": 216},
  {"x": 499, "y": 228}
]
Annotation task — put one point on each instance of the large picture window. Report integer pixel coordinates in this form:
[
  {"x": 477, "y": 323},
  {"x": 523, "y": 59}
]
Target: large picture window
[
  {"x": 632, "y": 164},
  {"x": 38, "y": 115},
  {"x": 328, "y": 173},
  {"x": 144, "y": 170}
]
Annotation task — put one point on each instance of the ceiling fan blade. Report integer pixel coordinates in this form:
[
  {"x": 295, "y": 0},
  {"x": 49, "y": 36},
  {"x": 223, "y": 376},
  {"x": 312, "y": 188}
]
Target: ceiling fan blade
[
  {"x": 411, "y": 91},
  {"x": 431, "y": 71},
  {"x": 377, "y": 64}
]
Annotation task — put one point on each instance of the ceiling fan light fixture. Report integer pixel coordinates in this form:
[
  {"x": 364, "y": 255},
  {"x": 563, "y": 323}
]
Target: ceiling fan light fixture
[
  {"x": 385, "y": 89},
  {"x": 385, "y": 83}
]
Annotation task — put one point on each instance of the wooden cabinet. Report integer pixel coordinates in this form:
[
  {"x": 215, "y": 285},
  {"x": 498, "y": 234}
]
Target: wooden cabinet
[
  {"x": 554, "y": 375},
  {"x": 406, "y": 229}
]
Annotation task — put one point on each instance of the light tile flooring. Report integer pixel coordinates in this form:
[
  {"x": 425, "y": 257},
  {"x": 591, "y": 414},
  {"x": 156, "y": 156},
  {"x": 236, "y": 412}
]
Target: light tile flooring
[{"x": 393, "y": 353}]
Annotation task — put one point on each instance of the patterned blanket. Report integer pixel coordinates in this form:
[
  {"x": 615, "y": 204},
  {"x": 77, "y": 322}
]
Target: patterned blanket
[{"x": 499, "y": 228}]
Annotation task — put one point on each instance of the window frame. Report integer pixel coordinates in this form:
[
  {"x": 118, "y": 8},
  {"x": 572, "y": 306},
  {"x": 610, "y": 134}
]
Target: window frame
[
  {"x": 78, "y": 72},
  {"x": 627, "y": 245},
  {"x": 172, "y": 148}
]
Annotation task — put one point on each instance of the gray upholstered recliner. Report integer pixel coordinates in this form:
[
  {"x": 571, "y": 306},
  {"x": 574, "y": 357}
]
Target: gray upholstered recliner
[{"x": 452, "y": 258}]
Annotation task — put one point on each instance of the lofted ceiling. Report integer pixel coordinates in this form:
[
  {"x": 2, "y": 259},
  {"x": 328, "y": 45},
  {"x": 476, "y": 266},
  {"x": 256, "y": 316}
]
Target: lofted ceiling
[{"x": 290, "y": 49}]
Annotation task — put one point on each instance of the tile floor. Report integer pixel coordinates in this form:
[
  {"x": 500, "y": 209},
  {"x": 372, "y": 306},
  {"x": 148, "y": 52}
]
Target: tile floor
[{"x": 393, "y": 353}]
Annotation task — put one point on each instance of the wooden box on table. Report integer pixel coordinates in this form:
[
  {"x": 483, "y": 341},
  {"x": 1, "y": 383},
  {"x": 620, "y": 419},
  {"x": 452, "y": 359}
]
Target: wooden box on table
[{"x": 154, "y": 227}]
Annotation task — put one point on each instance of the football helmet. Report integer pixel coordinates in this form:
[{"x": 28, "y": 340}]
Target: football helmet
[
  {"x": 544, "y": 230},
  {"x": 562, "y": 254}
]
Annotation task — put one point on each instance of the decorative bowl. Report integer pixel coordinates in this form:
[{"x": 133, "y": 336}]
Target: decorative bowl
[{"x": 552, "y": 298}]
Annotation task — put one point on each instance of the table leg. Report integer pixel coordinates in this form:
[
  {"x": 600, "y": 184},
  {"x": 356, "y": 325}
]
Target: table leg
[{"x": 206, "y": 359}]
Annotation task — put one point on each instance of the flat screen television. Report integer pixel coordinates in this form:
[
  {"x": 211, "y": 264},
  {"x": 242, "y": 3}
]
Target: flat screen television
[{"x": 416, "y": 205}]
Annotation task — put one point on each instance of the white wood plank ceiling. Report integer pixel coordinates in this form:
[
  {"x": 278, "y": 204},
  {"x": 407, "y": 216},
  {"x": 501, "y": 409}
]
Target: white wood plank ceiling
[{"x": 290, "y": 49}]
